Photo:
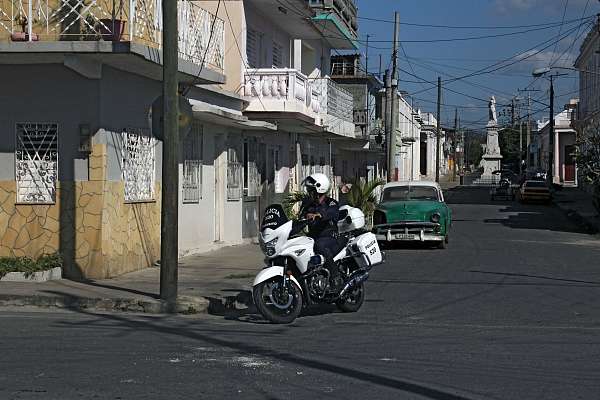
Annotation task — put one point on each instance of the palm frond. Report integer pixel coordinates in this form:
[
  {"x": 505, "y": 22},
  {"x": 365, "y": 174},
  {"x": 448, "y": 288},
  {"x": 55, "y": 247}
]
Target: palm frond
[{"x": 290, "y": 201}]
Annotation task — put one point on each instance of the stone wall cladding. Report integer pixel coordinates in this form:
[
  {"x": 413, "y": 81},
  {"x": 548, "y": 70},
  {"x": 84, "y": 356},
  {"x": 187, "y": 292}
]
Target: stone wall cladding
[{"x": 98, "y": 234}]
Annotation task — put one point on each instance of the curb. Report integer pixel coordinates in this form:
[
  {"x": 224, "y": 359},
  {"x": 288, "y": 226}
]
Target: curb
[{"x": 184, "y": 305}]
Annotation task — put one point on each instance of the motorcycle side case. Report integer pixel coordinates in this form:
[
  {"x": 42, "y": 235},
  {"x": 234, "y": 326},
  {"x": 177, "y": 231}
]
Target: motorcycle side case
[{"x": 368, "y": 253}]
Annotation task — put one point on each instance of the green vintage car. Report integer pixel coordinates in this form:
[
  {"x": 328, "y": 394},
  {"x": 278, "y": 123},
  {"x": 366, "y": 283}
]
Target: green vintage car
[{"x": 412, "y": 211}]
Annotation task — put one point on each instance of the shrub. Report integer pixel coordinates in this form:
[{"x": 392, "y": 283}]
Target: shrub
[{"x": 28, "y": 266}]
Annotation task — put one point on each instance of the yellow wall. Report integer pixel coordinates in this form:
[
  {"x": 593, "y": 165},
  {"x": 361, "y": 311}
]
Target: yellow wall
[{"x": 98, "y": 234}]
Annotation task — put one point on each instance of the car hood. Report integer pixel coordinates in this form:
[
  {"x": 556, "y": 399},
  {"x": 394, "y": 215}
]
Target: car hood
[{"x": 412, "y": 210}]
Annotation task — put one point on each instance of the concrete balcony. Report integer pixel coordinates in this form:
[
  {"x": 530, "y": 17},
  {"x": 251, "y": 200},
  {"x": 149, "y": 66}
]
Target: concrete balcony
[
  {"x": 283, "y": 90},
  {"x": 285, "y": 94},
  {"x": 136, "y": 22}
]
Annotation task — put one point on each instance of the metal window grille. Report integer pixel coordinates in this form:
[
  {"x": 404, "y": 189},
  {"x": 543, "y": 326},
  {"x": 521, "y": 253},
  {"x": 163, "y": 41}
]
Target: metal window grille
[
  {"x": 253, "y": 39},
  {"x": 36, "y": 162},
  {"x": 277, "y": 55},
  {"x": 251, "y": 172},
  {"x": 235, "y": 173},
  {"x": 139, "y": 158},
  {"x": 192, "y": 165}
]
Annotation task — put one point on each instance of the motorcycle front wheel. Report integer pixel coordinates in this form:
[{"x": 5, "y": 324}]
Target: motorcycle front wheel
[
  {"x": 278, "y": 303},
  {"x": 353, "y": 301}
]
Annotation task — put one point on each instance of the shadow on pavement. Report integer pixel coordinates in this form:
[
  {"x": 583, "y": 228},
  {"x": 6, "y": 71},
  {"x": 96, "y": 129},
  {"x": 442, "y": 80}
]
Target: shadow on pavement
[
  {"x": 190, "y": 330},
  {"x": 530, "y": 216},
  {"x": 240, "y": 307}
]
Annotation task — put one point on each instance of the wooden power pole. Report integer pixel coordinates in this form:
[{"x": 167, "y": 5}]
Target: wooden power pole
[
  {"x": 170, "y": 168},
  {"x": 393, "y": 104},
  {"x": 438, "y": 133}
]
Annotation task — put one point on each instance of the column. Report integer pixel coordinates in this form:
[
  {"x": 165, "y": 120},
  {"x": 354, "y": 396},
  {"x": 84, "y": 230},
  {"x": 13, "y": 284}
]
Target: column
[
  {"x": 557, "y": 166},
  {"x": 297, "y": 62}
]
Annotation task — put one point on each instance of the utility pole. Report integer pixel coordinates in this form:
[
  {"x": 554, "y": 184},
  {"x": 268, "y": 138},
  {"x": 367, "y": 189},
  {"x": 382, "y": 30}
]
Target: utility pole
[
  {"x": 528, "y": 141},
  {"x": 438, "y": 134},
  {"x": 394, "y": 103},
  {"x": 551, "y": 133},
  {"x": 368, "y": 113},
  {"x": 454, "y": 140},
  {"x": 520, "y": 147},
  {"x": 388, "y": 123},
  {"x": 170, "y": 168}
]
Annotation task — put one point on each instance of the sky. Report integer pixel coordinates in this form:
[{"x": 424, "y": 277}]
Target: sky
[{"x": 534, "y": 36}]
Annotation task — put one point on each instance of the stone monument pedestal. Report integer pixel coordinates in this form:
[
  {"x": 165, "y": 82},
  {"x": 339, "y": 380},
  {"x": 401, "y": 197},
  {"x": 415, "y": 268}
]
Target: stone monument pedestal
[{"x": 492, "y": 159}]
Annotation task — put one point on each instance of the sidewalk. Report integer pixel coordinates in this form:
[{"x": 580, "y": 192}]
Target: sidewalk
[
  {"x": 213, "y": 280},
  {"x": 578, "y": 206}
]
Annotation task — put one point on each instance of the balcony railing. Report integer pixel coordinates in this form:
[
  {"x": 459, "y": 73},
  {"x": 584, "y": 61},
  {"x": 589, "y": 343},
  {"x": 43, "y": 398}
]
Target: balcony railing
[
  {"x": 114, "y": 20},
  {"x": 282, "y": 89},
  {"x": 339, "y": 102}
]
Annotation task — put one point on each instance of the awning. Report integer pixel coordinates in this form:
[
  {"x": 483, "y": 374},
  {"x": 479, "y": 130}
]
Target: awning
[
  {"x": 209, "y": 113},
  {"x": 336, "y": 33}
]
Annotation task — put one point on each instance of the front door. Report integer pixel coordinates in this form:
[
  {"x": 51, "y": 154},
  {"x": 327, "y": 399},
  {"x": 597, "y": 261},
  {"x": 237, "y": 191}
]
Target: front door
[{"x": 569, "y": 163}]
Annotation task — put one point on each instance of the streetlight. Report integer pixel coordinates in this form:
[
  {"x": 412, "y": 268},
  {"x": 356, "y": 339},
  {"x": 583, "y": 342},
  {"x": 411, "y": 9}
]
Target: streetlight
[{"x": 537, "y": 74}]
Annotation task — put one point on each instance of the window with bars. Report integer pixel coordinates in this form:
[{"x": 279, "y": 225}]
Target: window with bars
[
  {"x": 253, "y": 47},
  {"x": 139, "y": 159},
  {"x": 251, "y": 172},
  {"x": 278, "y": 55},
  {"x": 234, "y": 176},
  {"x": 36, "y": 162},
  {"x": 192, "y": 164}
]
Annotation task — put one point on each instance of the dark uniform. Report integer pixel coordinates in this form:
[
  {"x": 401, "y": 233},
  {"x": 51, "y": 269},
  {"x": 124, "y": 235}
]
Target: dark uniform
[{"x": 324, "y": 230}]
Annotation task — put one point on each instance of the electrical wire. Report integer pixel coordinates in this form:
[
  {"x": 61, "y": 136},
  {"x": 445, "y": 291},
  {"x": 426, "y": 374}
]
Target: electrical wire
[
  {"x": 464, "y": 27},
  {"x": 559, "y": 31}
]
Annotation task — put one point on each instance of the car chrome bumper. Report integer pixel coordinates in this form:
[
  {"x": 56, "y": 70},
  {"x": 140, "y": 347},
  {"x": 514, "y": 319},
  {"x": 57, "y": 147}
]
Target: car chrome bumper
[{"x": 416, "y": 237}]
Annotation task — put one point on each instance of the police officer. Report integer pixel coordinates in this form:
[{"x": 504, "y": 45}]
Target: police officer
[{"x": 322, "y": 212}]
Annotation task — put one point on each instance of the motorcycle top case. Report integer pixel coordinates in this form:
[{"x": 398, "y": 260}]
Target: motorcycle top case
[{"x": 367, "y": 247}]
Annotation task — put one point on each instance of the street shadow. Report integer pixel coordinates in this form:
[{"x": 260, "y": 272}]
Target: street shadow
[
  {"x": 534, "y": 216},
  {"x": 190, "y": 330},
  {"x": 408, "y": 245},
  {"x": 120, "y": 288},
  {"x": 240, "y": 307},
  {"x": 474, "y": 195}
]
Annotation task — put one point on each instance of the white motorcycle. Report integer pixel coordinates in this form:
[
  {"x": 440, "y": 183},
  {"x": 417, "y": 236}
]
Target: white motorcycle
[{"x": 294, "y": 276}]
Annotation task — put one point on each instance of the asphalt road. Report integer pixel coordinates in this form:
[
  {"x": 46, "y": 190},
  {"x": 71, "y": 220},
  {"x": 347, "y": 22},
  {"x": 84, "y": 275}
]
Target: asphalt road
[{"x": 510, "y": 310}]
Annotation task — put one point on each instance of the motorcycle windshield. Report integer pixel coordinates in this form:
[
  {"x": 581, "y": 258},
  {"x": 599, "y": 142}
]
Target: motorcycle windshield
[{"x": 274, "y": 217}]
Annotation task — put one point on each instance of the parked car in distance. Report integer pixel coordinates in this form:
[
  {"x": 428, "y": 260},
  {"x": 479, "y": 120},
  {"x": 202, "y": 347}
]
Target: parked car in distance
[
  {"x": 535, "y": 190},
  {"x": 412, "y": 211},
  {"x": 503, "y": 190}
]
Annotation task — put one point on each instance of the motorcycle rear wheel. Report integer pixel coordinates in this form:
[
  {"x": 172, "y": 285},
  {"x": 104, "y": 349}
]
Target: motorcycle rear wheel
[
  {"x": 354, "y": 301},
  {"x": 280, "y": 306}
]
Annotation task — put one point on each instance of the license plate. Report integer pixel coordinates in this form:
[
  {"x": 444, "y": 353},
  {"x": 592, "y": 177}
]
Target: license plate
[{"x": 405, "y": 236}]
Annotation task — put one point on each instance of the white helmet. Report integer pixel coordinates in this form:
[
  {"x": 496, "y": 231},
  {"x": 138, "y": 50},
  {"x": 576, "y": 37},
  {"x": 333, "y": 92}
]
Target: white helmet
[{"x": 319, "y": 182}]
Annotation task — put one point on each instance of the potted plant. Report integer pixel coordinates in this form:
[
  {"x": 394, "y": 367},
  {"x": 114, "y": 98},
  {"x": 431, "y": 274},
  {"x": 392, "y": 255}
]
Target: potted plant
[
  {"x": 112, "y": 29},
  {"x": 23, "y": 36}
]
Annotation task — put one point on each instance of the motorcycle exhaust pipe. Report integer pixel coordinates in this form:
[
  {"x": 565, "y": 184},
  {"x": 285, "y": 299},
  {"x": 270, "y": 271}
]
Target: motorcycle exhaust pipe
[{"x": 357, "y": 280}]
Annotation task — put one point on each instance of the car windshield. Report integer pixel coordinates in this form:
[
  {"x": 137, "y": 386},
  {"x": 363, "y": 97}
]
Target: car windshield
[
  {"x": 535, "y": 184},
  {"x": 404, "y": 193}
]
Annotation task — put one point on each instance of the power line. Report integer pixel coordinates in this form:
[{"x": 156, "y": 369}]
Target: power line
[
  {"x": 523, "y": 55},
  {"x": 465, "y": 27},
  {"x": 559, "y": 31},
  {"x": 459, "y": 39}
]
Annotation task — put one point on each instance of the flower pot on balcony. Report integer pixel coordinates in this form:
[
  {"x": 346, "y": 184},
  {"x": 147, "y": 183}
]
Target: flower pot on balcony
[
  {"x": 23, "y": 37},
  {"x": 112, "y": 30}
]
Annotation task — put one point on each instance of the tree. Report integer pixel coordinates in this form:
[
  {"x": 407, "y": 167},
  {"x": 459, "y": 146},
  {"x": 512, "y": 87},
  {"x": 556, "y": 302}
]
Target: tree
[
  {"x": 588, "y": 160},
  {"x": 362, "y": 195}
]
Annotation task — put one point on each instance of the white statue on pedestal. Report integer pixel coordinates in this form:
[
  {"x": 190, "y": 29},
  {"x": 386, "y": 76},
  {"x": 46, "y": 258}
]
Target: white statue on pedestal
[{"x": 492, "y": 105}]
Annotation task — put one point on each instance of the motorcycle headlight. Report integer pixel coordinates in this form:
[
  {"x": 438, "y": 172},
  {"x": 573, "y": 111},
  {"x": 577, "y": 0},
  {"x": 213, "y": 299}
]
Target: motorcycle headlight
[
  {"x": 435, "y": 217},
  {"x": 269, "y": 247}
]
